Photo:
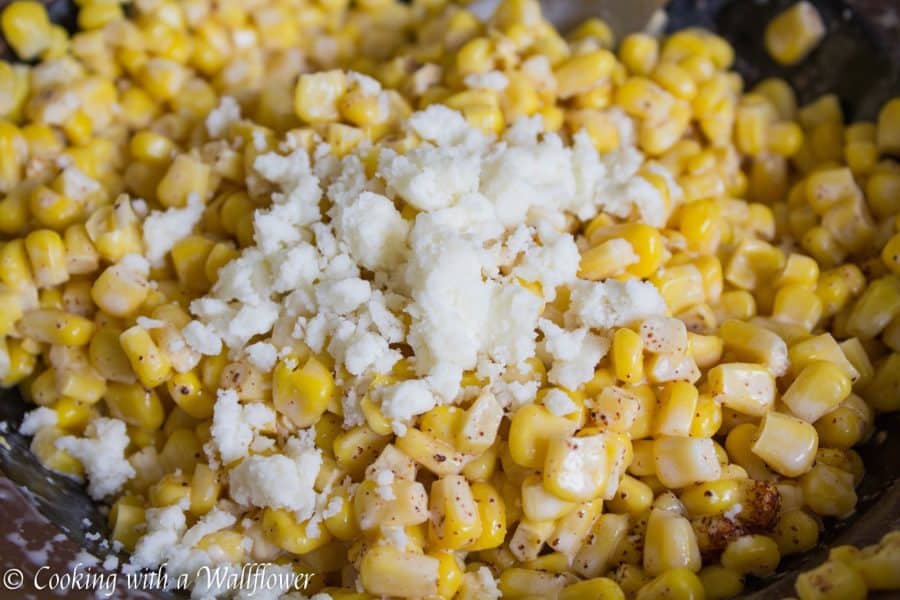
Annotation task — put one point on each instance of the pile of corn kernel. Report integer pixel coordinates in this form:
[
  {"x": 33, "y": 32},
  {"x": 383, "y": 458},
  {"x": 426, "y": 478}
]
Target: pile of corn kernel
[{"x": 788, "y": 236}]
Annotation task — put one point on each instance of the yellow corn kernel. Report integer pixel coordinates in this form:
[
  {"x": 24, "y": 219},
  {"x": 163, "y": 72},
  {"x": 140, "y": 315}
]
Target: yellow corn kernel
[
  {"x": 121, "y": 289},
  {"x": 356, "y": 448},
  {"x": 205, "y": 489},
  {"x": 832, "y": 580},
  {"x": 846, "y": 425},
  {"x": 644, "y": 99},
  {"x": 700, "y": 224},
  {"x": 581, "y": 73},
  {"x": 794, "y": 33},
  {"x": 525, "y": 583},
  {"x": 682, "y": 461},
  {"x": 828, "y": 490},
  {"x": 594, "y": 557},
  {"x": 875, "y": 562},
  {"x": 454, "y": 517},
  {"x": 185, "y": 176},
  {"x": 151, "y": 366},
  {"x": 479, "y": 425},
  {"x": 281, "y": 527},
  {"x": 673, "y": 584},
  {"x": 677, "y": 404},
  {"x": 491, "y": 515},
  {"x": 56, "y": 327},
  {"x": 670, "y": 543},
  {"x": 114, "y": 231},
  {"x": 135, "y": 405},
  {"x": 784, "y": 138},
  {"x": 633, "y": 496},
  {"x": 126, "y": 520},
  {"x": 754, "y": 554},
  {"x": 384, "y": 570},
  {"x": 26, "y": 27},
  {"x": 538, "y": 504},
  {"x": 628, "y": 355},
  {"x": 720, "y": 583},
  {"x": 639, "y": 52},
  {"x": 47, "y": 256},
  {"x": 877, "y": 306},
  {"x": 302, "y": 394},
  {"x": 744, "y": 387},
  {"x": 600, "y": 588},
  {"x": 710, "y": 498},
  {"x": 788, "y": 445},
  {"x": 752, "y": 122},
  {"x": 162, "y": 78},
  {"x": 187, "y": 392},
  {"x": 796, "y": 531},
  {"x": 646, "y": 242},
  {"x": 531, "y": 429},
  {"x": 151, "y": 147},
  {"x": 577, "y": 468},
  {"x": 888, "y": 132},
  {"x": 797, "y": 305},
  {"x": 317, "y": 94},
  {"x": 819, "y": 387},
  {"x": 475, "y": 56}
]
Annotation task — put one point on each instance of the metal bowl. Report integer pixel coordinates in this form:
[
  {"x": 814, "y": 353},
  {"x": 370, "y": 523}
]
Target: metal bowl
[{"x": 859, "y": 60}]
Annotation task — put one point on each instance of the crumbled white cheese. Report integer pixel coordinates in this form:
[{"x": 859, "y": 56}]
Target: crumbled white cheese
[
  {"x": 262, "y": 355},
  {"x": 559, "y": 403},
  {"x": 395, "y": 535},
  {"x": 102, "y": 452},
  {"x": 385, "y": 481},
  {"x": 235, "y": 425},
  {"x": 38, "y": 419},
  {"x": 612, "y": 303},
  {"x": 148, "y": 323},
  {"x": 404, "y": 400},
  {"x": 163, "y": 229},
  {"x": 278, "y": 481},
  {"x": 202, "y": 338}
]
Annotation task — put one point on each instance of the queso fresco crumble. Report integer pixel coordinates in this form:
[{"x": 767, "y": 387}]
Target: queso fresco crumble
[{"x": 437, "y": 308}]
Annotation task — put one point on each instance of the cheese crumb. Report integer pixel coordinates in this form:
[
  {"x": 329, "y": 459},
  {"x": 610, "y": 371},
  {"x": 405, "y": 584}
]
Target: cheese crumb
[
  {"x": 102, "y": 452},
  {"x": 38, "y": 419}
]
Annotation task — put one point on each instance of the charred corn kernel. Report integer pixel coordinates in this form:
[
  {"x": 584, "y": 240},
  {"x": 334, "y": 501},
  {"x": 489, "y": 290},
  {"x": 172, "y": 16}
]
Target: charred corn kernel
[
  {"x": 628, "y": 355},
  {"x": 788, "y": 445},
  {"x": 47, "y": 257},
  {"x": 26, "y": 27},
  {"x": 830, "y": 581},
  {"x": 739, "y": 444},
  {"x": 754, "y": 554},
  {"x": 454, "y": 517},
  {"x": 531, "y": 429},
  {"x": 581, "y": 73},
  {"x": 186, "y": 176},
  {"x": 302, "y": 394},
  {"x": 282, "y": 528},
  {"x": 684, "y": 461},
  {"x": 126, "y": 520},
  {"x": 888, "y": 128},
  {"x": 384, "y": 570},
  {"x": 819, "y": 387},
  {"x": 56, "y": 327},
  {"x": 633, "y": 496},
  {"x": 744, "y": 387},
  {"x": 639, "y": 53},
  {"x": 317, "y": 94},
  {"x": 828, "y": 490},
  {"x": 680, "y": 583},
  {"x": 151, "y": 366},
  {"x": 677, "y": 404}
]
